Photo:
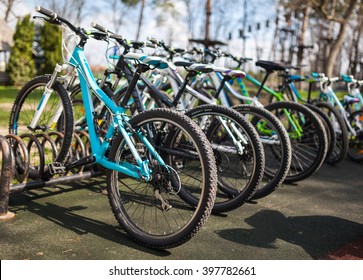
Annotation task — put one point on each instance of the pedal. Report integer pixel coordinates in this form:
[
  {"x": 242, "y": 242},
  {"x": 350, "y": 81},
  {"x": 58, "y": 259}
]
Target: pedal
[{"x": 56, "y": 168}]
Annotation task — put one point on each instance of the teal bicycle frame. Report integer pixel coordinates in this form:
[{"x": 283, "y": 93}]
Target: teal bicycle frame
[
  {"x": 119, "y": 122},
  {"x": 327, "y": 94}
]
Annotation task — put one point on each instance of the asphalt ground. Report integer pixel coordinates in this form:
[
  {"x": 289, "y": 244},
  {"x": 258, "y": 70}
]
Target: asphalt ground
[{"x": 318, "y": 218}]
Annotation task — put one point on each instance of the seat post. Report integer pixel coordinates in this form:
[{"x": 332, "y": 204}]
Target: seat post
[
  {"x": 183, "y": 86},
  {"x": 263, "y": 82},
  {"x": 309, "y": 93},
  {"x": 224, "y": 80}
]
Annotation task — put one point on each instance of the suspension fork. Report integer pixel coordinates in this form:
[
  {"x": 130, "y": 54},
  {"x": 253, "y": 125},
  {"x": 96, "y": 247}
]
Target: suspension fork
[
  {"x": 45, "y": 97},
  {"x": 233, "y": 127}
]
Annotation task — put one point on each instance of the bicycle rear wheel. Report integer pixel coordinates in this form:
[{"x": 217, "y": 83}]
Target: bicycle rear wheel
[
  {"x": 238, "y": 152},
  {"x": 340, "y": 149},
  {"x": 276, "y": 144},
  {"x": 308, "y": 138},
  {"x": 156, "y": 213}
]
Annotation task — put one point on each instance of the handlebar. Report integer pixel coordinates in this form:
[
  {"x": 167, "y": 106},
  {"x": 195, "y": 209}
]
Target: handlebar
[
  {"x": 107, "y": 32},
  {"x": 160, "y": 43},
  {"x": 99, "y": 27},
  {"x": 46, "y": 12},
  {"x": 56, "y": 19}
]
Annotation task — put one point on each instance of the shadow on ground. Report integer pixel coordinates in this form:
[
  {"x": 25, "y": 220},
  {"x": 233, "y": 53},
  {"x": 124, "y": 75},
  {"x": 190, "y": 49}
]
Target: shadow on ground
[
  {"x": 69, "y": 219},
  {"x": 317, "y": 235}
]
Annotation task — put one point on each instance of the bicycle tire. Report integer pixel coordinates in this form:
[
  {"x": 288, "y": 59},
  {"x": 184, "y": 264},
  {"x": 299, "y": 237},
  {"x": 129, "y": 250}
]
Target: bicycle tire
[
  {"x": 239, "y": 174},
  {"x": 277, "y": 151},
  {"x": 309, "y": 149},
  {"x": 341, "y": 146},
  {"x": 328, "y": 126},
  {"x": 145, "y": 230},
  {"x": 26, "y": 103},
  {"x": 355, "y": 151}
]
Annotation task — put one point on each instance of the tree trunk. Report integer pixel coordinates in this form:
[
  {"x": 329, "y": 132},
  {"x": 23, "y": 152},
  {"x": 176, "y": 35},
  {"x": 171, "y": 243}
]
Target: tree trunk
[
  {"x": 301, "y": 40},
  {"x": 140, "y": 19},
  {"x": 335, "y": 49},
  {"x": 208, "y": 12},
  {"x": 354, "y": 54},
  {"x": 9, "y": 7}
]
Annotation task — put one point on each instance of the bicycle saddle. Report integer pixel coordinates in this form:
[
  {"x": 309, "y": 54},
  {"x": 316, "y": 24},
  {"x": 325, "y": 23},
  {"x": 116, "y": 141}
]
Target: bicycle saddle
[
  {"x": 151, "y": 60},
  {"x": 204, "y": 68},
  {"x": 270, "y": 66},
  {"x": 230, "y": 72}
]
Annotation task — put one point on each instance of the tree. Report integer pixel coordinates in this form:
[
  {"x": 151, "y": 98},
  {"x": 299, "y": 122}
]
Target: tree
[
  {"x": 168, "y": 17},
  {"x": 141, "y": 15},
  {"x": 8, "y": 4},
  {"x": 21, "y": 65},
  {"x": 51, "y": 44},
  {"x": 340, "y": 14},
  {"x": 355, "y": 47},
  {"x": 120, "y": 10},
  {"x": 73, "y": 10}
]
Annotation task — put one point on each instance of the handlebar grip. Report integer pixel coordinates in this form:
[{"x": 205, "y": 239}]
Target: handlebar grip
[
  {"x": 45, "y": 12},
  {"x": 98, "y": 27},
  {"x": 117, "y": 37},
  {"x": 179, "y": 50},
  {"x": 151, "y": 45},
  {"x": 153, "y": 40}
]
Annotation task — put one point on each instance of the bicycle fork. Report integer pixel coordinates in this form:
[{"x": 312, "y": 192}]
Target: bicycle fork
[{"x": 44, "y": 100}]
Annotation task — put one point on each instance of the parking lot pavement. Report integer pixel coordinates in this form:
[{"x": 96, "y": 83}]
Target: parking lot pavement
[{"x": 313, "y": 219}]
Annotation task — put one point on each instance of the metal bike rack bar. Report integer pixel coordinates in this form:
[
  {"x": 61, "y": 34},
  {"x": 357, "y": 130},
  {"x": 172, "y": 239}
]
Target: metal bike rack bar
[
  {"x": 5, "y": 179},
  {"x": 54, "y": 181},
  {"x": 15, "y": 157}
]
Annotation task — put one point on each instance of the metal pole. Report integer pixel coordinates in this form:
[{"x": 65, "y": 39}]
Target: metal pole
[
  {"x": 54, "y": 181},
  {"x": 5, "y": 178},
  {"x": 244, "y": 27}
]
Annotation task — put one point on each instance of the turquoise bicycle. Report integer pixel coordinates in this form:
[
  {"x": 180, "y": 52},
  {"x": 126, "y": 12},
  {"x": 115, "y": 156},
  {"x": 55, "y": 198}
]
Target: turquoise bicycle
[
  {"x": 155, "y": 161},
  {"x": 352, "y": 119}
]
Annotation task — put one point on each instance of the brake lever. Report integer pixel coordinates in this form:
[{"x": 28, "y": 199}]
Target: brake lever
[{"x": 53, "y": 21}]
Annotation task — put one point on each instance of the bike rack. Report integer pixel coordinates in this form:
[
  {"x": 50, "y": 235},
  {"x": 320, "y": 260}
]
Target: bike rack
[{"x": 25, "y": 158}]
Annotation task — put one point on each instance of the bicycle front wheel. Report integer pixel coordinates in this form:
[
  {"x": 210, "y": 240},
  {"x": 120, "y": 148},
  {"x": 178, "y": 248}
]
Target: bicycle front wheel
[
  {"x": 158, "y": 213},
  {"x": 23, "y": 111},
  {"x": 355, "y": 151}
]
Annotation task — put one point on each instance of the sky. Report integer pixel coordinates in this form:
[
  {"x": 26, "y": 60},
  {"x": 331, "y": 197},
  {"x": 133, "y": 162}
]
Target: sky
[{"x": 98, "y": 12}]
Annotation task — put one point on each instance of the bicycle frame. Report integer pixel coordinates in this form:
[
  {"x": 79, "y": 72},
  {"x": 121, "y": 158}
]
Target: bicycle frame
[
  {"x": 179, "y": 85},
  {"x": 328, "y": 93},
  {"x": 217, "y": 77},
  {"x": 119, "y": 122}
]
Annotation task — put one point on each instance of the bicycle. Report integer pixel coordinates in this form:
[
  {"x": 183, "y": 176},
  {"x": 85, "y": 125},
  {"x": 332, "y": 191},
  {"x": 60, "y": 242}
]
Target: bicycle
[
  {"x": 272, "y": 134},
  {"x": 337, "y": 130},
  {"x": 148, "y": 158},
  {"x": 353, "y": 101},
  {"x": 353, "y": 121},
  {"x": 306, "y": 132},
  {"x": 233, "y": 140}
]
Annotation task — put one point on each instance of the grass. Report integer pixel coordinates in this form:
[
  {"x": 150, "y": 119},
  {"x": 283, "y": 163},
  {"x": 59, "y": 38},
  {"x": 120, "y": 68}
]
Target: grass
[
  {"x": 7, "y": 97},
  {"x": 8, "y": 93}
]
